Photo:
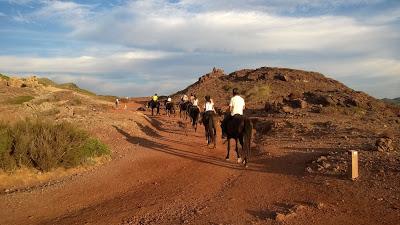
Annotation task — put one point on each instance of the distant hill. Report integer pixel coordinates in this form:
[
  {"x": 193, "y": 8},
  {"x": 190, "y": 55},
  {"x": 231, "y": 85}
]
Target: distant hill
[
  {"x": 395, "y": 101},
  {"x": 69, "y": 86},
  {"x": 35, "y": 82}
]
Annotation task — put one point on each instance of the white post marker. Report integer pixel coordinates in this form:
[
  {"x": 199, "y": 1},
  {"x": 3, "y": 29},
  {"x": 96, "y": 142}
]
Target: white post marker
[{"x": 354, "y": 165}]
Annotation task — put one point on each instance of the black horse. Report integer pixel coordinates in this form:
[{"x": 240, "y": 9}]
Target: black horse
[
  {"x": 194, "y": 113},
  {"x": 154, "y": 105},
  {"x": 239, "y": 128},
  {"x": 169, "y": 108},
  {"x": 183, "y": 107},
  {"x": 208, "y": 120}
]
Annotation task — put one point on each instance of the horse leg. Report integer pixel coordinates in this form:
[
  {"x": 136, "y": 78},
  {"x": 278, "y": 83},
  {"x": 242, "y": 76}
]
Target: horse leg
[
  {"x": 213, "y": 139},
  {"x": 228, "y": 148},
  {"x": 244, "y": 153},
  {"x": 237, "y": 150}
]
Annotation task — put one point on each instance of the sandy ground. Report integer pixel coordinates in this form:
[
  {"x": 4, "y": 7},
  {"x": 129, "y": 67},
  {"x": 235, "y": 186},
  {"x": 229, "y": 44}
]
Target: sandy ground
[{"x": 170, "y": 176}]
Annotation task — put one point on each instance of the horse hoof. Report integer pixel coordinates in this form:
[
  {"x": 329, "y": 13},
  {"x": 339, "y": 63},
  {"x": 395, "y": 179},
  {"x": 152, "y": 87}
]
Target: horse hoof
[
  {"x": 239, "y": 160},
  {"x": 227, "y": 159}
]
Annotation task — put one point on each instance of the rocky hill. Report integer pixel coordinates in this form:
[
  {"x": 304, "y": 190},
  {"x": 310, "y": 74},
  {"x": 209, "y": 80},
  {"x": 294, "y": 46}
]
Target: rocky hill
[
  {"x": 274, "y": 90},
  {"x": 41, "y": 97}
]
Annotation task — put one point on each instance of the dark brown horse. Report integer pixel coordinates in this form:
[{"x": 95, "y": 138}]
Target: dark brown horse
[
  {"x": 169, "y": 108},
  {"x": 183, "y": 108},
  {"x": 239, "y": 128},
  {"x": 208, "y": 120},
  {"x": 154, "y": 105},
  {"x": 194, "y": 113}
]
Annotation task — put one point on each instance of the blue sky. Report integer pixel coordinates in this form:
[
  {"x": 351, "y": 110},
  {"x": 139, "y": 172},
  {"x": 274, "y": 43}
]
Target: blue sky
[{"x": 132, "y": 48}]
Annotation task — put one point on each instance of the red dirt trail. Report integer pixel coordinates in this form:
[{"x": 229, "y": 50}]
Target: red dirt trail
[{"x": 172, "y": 177}]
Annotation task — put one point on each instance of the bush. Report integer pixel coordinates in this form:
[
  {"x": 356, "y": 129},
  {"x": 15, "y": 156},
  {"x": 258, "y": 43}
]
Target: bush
[
  {"x": 258, "y": 93},
  {"x": 2, "y": 76},
  {"x": 44, "y": 146},
  {"x": 19, "y": 100}
]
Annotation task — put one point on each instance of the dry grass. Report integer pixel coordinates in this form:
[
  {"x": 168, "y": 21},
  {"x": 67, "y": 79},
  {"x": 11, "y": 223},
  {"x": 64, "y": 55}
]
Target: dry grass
[{"x": 19, "y": 100}]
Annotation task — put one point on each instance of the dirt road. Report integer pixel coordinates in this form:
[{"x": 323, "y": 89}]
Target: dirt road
[{"x": 171, "y": 177}]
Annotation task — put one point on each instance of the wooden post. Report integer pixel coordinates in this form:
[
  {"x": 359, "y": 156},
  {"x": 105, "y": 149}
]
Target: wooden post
[{"x": 354, "y": 165}]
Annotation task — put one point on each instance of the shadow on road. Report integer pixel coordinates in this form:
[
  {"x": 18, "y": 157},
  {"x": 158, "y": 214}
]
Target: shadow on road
[{"x": 265, "y": 165}]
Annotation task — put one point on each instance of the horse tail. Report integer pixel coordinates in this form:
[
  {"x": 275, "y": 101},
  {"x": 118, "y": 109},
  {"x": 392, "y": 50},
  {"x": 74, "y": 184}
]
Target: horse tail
[{"x": 248, "y": 129}]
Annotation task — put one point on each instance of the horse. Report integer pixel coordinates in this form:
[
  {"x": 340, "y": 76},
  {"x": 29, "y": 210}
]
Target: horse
[
  {"x": 169, "y": 108},
  {"x": 154, "y": 105},
  {"x": 208, "y": 120},
  {"x": 194, "y": 113},
  {"x": 239, "y": 128},
  {"x": 183, "y": 107}
]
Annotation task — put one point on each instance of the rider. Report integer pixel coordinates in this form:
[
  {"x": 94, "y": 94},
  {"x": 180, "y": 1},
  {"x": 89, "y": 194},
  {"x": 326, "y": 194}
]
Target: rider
[
  {"x": 192, "y": 97},
  {"x": 184, "y": 98},
  {"x": 209, "y": 105},
  {"x": 236, "y": 107},
  {"x": 154, "y": 97},
  {"x": 195, "y": 101}
]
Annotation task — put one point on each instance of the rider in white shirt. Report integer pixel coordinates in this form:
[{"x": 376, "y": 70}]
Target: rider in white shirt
[
  {"x": 195, "y": 101},
  {"x": 236, "y": 107},
  {"x": 209, "y": 105}
]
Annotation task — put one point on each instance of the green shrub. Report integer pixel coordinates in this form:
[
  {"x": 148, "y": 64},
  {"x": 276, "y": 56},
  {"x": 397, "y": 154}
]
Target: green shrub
[
  {"x": 2, "y": 76},
  {"x": 258, "y": 93},
  {"x": 44, "y": 145},
  {"x": 19, "y": 100}
]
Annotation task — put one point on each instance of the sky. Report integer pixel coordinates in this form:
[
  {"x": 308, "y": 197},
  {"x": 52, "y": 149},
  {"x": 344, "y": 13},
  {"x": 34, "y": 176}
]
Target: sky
[{"x": 138, "y": 48}]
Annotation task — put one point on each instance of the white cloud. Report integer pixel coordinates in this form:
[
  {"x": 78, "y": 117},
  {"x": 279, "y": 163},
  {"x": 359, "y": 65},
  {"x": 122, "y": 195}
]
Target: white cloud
[
  {"x": 160, "y": 25},
  {"x": 156, "y": 38},
  {"x": 90, "y": 64}
]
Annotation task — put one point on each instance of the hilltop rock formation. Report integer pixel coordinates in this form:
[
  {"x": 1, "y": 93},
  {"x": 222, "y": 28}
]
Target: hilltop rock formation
[{"x": 31, "y": 81}]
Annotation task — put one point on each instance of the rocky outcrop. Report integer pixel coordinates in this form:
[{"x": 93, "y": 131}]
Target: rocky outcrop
[
  {"x": 215, "y": 73},
  {"x": 22, "y": 82}
]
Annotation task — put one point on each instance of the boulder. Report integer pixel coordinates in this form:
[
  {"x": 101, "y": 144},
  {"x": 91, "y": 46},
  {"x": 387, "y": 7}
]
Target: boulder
[
  {"x": 273, "y": 107},
  {"x": 384, "y": 144},
  {"x": 318, "y": 98},
  {"x": 298, "y": 103},
  {"x": 287, "y": 109},
  {"x": 281, "y": 77},
  {"x": 141, "y": 109},
  {"x": 316, "y": 109}
]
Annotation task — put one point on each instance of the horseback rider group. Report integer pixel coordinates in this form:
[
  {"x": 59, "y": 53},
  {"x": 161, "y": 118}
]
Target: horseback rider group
[
  {"x": 234, "y": 125},
  {"x": 236, "y": 105}
]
